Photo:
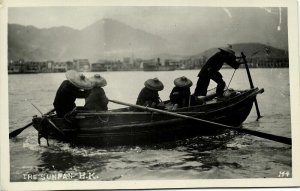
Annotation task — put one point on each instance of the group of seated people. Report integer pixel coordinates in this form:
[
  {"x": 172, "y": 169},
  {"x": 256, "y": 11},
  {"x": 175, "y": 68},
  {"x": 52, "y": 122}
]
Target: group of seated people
[
  {"x": 79, "y": 86},
  {"x": 179, "y": 96}
]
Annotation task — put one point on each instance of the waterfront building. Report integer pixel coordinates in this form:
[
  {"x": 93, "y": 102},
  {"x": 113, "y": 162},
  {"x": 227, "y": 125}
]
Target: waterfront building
[
  {"x": 127, "y": 63},
  {"x": 107, "y": 65},
  {"x": 138, "y": 64},
  {"x": 82, "y": 65},
  {"x": 21, "y": 66},
  {"x": 188, "y": 64},
  {"x": 100, "y": 66},
  {"x": 16, "y": 66},
  {"x": 59, "y": 67},
  {"x": 45, "y": 66},
  {"x": 156, "y": 65},
  {"x": 70, "y": 65}
]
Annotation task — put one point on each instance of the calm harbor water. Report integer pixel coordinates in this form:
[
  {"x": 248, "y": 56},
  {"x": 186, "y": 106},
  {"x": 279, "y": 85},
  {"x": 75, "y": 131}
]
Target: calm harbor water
[{"x": 241, "y": 156}]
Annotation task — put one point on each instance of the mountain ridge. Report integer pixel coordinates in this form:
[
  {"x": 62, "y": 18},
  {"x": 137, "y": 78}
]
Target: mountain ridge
[
  {"x": 104, "y": 39},
  {"x": 250, "y": 49}
]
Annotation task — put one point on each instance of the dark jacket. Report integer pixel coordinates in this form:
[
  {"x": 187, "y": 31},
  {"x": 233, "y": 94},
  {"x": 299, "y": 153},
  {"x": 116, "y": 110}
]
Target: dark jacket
[
  {"x": 180, "y": 96},
  {"x": 96, "y": 100},
  {"x": 147, "y": 97},
  {"x": 66, "y": 95},
  {"x": 215, "y": 63}
]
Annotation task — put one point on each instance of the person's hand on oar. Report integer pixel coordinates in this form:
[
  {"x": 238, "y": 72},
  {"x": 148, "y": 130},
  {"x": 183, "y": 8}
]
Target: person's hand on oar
[{"x": 18, "y": 131}]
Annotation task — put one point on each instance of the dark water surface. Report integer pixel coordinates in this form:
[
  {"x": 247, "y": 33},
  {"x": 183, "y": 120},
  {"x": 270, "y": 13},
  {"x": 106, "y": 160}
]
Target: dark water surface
[{"x": 231, "y": 156}]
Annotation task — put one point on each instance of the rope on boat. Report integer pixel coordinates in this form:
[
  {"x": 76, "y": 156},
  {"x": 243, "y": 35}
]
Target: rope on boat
[
  {"x": 211, "y": 89},
  {"x": 103, "y": 120},
  {"x": 228, "y": 83},
  {"x": 230, "y": 80}
]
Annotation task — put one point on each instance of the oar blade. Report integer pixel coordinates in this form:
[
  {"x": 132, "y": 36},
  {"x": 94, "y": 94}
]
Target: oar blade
[
  {"x": 272, "y": 137},
  {"x": 18, "y": 131}
]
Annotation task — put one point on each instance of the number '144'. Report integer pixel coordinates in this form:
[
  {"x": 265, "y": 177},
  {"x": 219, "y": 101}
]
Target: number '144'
[{"x": 283, "y": 174}]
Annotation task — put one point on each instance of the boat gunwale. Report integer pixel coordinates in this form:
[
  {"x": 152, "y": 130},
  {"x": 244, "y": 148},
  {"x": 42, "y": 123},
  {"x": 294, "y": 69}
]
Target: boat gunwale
[
  {"x": 172, "y": 120},
  {"x": 179, "y": 111}
]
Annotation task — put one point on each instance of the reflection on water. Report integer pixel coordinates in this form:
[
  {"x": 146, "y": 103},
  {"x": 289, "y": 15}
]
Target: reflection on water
[{"x": 228, "y": 156}]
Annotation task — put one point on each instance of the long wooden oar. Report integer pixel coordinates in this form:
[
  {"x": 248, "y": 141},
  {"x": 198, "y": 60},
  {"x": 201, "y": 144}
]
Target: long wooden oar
[
  {"x": 251, "y": 85},
  {"x": 276, "y": 138},
  {"x": 18, "y": 131}
]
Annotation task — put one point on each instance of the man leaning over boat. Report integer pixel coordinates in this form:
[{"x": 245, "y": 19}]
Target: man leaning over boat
[
  {"x": 210, "y": 71},
  {"x": 76, "y": 86}
]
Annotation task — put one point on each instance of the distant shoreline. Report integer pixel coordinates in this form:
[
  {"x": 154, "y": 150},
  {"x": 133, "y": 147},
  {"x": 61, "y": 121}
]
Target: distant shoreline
[{"x": 13, "y": 73}]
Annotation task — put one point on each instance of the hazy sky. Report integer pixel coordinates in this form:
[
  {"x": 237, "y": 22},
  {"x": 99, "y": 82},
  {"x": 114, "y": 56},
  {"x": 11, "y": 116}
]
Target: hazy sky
[
  {"x": 80, "y": 17},
  {"x": 266, "y": 25}
]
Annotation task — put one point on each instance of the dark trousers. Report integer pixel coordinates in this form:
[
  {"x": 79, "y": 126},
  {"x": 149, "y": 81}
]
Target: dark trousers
[
  {"x": 62, "y": 111},
  {"x": 203, "y": 82}
]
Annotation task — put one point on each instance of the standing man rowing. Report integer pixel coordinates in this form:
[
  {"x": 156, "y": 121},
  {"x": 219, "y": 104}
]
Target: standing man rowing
[{"x": 211, "y": 68}]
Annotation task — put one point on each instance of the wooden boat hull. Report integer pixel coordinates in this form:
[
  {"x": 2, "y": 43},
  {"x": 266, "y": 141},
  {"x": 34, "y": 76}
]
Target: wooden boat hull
[{"x": 125, "y": 127}]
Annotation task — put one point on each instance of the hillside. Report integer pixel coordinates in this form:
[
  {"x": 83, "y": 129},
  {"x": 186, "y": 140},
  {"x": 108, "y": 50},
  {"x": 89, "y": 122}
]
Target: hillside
[
  {"x": 106, "y": 38},
  {"x": 31, "y": 43},
  {"x": 253, "y": 50}
]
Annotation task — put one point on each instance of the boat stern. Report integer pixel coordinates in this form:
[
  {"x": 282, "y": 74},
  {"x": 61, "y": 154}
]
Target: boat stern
[{"x": 36, "y": 122}]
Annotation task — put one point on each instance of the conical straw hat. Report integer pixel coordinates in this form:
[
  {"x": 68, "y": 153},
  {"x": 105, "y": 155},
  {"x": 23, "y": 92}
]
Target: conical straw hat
[
  {"x": 79, "y": 80},
  {"x": 98, "y": 81},
  {"x": 154, "y": 84},
  {"x": 228, "y": 49},
  {"x": 183, "y": 82}
]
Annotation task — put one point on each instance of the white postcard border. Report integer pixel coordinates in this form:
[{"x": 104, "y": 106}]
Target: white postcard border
[{"x": 150, "y": 184}]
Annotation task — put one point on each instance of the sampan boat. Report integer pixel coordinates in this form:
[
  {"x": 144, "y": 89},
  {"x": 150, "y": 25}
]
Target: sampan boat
[{"x": 128, "y": 127}]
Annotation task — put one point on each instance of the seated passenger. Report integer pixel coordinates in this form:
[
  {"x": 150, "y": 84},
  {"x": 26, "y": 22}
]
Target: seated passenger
[
  {"x": 149, "y": 94},
  {"x": 180, "y": 94},
  {"x": 76, "y": 86},
  {"x": 97, "y": 99}
]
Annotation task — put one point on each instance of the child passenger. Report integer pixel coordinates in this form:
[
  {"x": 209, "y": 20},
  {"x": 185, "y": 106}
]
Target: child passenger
[
  {"x": 97, "y": 99},
  {"x": 180, "y": 94},
  {"x": 149, "y": 94}
]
